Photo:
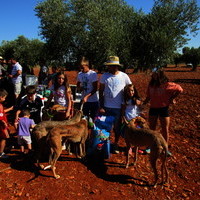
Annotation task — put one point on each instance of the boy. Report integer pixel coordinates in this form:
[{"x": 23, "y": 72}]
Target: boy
[
  {"x": 87, "y": 83},
  {"x": 32, "y": 102},
  {"x": 3, "y": 123},
  {"x": 23, "y": 132}
]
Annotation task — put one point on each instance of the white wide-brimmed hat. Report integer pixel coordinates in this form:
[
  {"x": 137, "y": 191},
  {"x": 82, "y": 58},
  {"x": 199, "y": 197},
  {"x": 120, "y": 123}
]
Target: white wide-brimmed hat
[{"x": 113, "y": 60}]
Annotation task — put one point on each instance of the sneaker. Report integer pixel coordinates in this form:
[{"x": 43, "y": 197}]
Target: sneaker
[
  {"x": 144, "y": 151},
  {"x": 140, "y": 151},
  {"x": 148, "y": 150},
  {"x": 169, "y": 154},
  {"x": 3, "y": 155},
  {"x": 115, "y": 149}
]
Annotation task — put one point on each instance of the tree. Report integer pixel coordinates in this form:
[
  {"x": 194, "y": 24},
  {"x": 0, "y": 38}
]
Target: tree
[
  {"x": 161, "y": 32},
  {"x": 95, "y": 29},
  {"x": 55, "y": 27},
  {"x": 28, "y": 52},
  {"x": 191, "y": 55}
]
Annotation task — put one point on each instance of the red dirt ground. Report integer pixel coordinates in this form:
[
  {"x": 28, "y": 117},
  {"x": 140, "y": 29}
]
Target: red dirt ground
[{"x": 19, "y": 179}]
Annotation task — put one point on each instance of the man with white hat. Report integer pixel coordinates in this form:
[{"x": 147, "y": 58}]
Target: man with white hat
[{"x": 111, "y": 88}]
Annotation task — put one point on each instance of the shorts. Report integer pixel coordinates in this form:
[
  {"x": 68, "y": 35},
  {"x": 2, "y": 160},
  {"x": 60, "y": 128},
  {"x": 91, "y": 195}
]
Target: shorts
[
  {"x": 17, "y": 88},
  {"x": 24, "y": 140},
  {"x": 161, "y": 112}
]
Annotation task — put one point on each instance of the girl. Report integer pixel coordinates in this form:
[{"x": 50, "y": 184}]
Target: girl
[
  {"x": 131, "y": 108},
  {"x": 161, "y": 93},
  {"x": 131, "y": 104},
  {"x": 61, "y": 92}
]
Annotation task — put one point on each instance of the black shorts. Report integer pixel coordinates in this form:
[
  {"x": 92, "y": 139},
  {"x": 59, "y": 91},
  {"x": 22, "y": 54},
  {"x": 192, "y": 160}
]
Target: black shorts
[{"x": 162, "y": 112}]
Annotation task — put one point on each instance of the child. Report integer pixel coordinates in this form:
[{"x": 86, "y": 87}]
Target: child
[
  {"x": 87, "y": 83},
  {"x": 23, "y": 130},
  {"x": 61, "y": 92},
  {"x": 131, "y": 107},
  {"x": 161, "y": 93},
  {"x": 32, "y": 102},
  {"x": 3, "y": 123}
]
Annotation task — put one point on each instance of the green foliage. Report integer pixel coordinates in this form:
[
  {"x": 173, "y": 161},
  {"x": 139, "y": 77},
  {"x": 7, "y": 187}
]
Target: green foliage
[
  {"x": 100, "y": 28},
  {"x": 161, "y": 32},
  {"x": 28, "y": 52},
  {"x": 191, "y": 55},
  {"x": 55, "y": 28}
]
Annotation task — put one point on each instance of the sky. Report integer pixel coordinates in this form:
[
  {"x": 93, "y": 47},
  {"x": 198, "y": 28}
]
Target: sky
[{"x": 18, "y": 18}]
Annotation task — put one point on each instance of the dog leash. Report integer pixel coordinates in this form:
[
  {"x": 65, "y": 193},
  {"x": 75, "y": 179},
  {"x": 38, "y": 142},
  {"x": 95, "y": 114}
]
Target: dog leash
[{"x": 81, "y": 107}]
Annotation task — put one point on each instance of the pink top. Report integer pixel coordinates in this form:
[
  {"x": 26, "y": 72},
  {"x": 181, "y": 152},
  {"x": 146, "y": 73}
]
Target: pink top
[{"x": 160, "y": 96}]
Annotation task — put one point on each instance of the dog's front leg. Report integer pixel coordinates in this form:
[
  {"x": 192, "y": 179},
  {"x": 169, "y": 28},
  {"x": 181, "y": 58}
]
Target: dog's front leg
[
  {"x": 153, "y": 161},
  {"x": 50, "y": 160},
  {"x": 127, "y": 156},
  {"x": 164, "y": 169},
  {"x": 53, "y": 168},
  {"x": 80, "y": 150},
  {"x": 136, "y": 155}
]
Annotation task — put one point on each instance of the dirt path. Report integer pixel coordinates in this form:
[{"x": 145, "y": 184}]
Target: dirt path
[{"x": 20, "y": 179}]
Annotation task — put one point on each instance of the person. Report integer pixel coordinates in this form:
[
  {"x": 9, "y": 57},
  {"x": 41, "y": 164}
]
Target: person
[
  {"x": 30, "y": 101},
  {"x": 23, "y": 130},
  {"x": 43, "y": 73},
  {"x": 4, "y": 132},
  {"x": 161, "y": 93},
  {"x": 87, "y": 83},
  {"x": 51, "y": 77},
  {"x": 131, "y": 105},
  {"x": 132, "y": 108},
  {"x": 2, "y": 67},
  {"x": 111, "y": 88},
  {"x": 61, "y": 93},
  {"x": 2, "y": 71},
  {"x": 16, "y": 76}
]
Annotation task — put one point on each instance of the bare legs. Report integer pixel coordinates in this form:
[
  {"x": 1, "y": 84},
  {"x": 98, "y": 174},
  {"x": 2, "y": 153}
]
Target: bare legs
[
  {"x": 2, "y": 145},
  {"x": 164, "y": 121}
]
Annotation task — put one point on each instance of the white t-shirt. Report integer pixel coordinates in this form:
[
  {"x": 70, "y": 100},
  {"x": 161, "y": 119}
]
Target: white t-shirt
[
  {"x": 86, "y": 80},
  {"x": 15, "y": 68},
  {"x": 114, "y": 86},
  {"x": 59, "y": 95},
  {"x": 131, "y": 111}
]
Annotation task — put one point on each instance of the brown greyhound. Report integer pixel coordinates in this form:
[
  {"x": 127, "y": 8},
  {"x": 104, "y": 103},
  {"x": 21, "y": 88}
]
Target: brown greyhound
[
  {"x": 139, "y": 137},
  {"x": 76, "y": 133},
  {"x": 41, "y": 130}
]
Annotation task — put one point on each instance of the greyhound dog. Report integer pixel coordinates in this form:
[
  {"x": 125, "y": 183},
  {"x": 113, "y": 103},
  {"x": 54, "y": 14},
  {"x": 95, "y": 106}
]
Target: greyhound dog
[
  {"x": 76, "y": 133},
  {"x": 41, "y": 130},
  {"x": 139, "y": 137},
  {"x": 48, "y": 114}
]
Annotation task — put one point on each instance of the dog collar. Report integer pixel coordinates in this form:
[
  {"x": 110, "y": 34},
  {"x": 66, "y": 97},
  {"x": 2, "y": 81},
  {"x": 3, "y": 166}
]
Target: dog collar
[{"x": 49, "y": 115}]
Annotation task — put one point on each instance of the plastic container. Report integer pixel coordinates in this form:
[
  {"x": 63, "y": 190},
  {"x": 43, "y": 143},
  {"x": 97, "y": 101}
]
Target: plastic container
[
  {"x": 40, "y": 89},
  {"x": 31, "y": 80},
  {"x": 101, "y": 142}
]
